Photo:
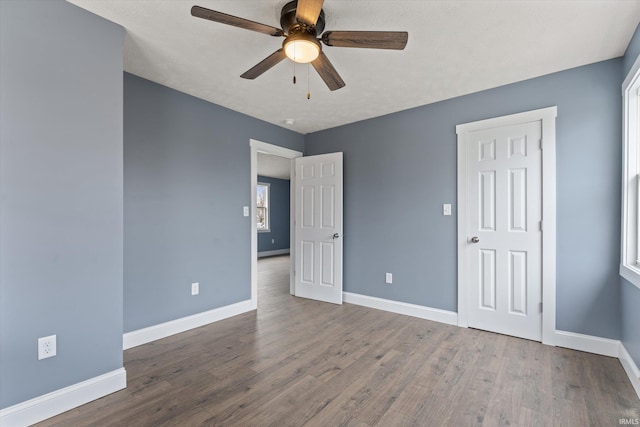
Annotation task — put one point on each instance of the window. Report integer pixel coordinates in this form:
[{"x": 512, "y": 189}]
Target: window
[
  {"x": 630, "y": 256},
  {"x": 262, "y": 204}
]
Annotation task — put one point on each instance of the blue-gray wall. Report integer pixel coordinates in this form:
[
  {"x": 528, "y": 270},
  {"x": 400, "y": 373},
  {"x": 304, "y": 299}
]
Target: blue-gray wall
[
  {"x": 630, "y": 309},
  {"x": 61, "y": 196},
  {"x": 632, "y": 53},
  {"x": 399, "y": 170},
  {"x": 186, "y": 179},
  {"x": 630, "y": 295},
  {"x": 280, "y": 209}
]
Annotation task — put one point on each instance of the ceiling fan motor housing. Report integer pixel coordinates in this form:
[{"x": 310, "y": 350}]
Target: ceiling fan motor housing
[{"x": 289, "y": 23}]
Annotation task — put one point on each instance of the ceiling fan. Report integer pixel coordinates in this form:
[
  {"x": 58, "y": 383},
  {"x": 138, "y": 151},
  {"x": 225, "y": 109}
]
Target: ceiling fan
[{"x": 302, "y": 23}]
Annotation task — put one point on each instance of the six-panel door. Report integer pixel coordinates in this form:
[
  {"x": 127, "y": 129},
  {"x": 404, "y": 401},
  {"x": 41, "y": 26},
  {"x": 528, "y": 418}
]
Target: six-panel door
[
  {"x": 318, "y": 227},
  {"x": 504, "y": 217}
]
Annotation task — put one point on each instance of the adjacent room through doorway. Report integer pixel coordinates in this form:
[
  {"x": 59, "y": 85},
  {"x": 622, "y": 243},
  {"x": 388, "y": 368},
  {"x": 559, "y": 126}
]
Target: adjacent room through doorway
[{"x": 271, "y": 206}]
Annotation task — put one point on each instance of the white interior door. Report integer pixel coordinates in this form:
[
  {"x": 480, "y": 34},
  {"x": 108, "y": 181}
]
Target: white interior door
[
  {"x": 504, "y": 240},
  {"x": 318, "y": 227}
]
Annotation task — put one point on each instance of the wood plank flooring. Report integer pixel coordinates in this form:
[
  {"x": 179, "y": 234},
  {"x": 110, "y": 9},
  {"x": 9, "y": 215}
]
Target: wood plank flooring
[{"x": 298, "y": 362}]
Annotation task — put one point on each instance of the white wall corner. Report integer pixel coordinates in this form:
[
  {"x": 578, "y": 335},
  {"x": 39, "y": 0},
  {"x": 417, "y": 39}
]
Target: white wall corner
[
  {"x": 59, "y": 401},
  {"x": 163, "y": 330},
  {"x": 604, "y": 347},
  {"x": 422, "y": 312},
  {"x": 630, "y": 367}
]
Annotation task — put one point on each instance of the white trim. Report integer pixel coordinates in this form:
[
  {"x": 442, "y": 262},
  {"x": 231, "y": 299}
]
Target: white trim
[
  {"x": 517, "y": 118},
  {"x": 420, "y": 311},
  {"x": 59, "y": 401},
  {"x": 547, "y": 117},
  {"x": 630, "y": 274},
  {"x": 628, "y": 80},
  {"x": 273, "y": 252},
  {"x": 588, "y": 343},
  {"x": 630, "y": 368},
  {"x": 629, "y": 229},
  {"x": 292, "y": 229},
  {"x": 463, "y": 309},
  {"x": 276, "y": 150},
  {"x": 263, "y": 147},
  {"x": 163, "y": 330}
]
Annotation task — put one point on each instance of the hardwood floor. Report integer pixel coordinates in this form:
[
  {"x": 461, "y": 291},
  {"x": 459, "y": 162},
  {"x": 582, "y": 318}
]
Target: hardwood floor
[{"x": 299, "y": 362}]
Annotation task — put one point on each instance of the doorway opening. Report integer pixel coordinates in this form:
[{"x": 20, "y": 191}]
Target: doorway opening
[{"x": 262, "y": 150}]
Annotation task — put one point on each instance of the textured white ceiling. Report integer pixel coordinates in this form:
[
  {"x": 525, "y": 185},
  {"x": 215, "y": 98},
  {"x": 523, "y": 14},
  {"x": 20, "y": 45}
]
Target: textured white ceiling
[
  {"x": 454, "y": 48},
  {"x": 274, "y": 166}
]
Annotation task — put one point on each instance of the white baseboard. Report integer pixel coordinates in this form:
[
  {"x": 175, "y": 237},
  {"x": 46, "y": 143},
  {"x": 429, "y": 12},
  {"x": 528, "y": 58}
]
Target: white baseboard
[
  {"x": 422, "y": 312},
  {"x": 163, "y": 330},
  {"x": 59, "y": 401},
  {"x": 630, "y": 368},
  {"x": 273, "y": 252},
  {"x": 588, "y": 343}
]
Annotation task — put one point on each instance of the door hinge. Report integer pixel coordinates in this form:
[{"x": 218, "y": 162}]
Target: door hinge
[
  {"x": 540, "y": 307},
  {"x": 541, "y": 227},
  {"x": 541, "y": 144}
]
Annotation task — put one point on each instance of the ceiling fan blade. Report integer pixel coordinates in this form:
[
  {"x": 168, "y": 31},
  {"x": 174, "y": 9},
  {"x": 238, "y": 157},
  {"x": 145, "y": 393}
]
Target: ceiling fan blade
[
  {"x": 264, "y": 65},
  {"x": 367, "y": 39},
  {"x": 329, "y": 74},
  {"x": 223, "y": 18},
  {"x": 308, "y": 11}
]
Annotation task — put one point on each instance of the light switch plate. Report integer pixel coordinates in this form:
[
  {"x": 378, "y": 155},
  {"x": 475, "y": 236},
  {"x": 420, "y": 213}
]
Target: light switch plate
[
  {"x": 446, "y": 209},
  {"x": 245, "y": 210}
]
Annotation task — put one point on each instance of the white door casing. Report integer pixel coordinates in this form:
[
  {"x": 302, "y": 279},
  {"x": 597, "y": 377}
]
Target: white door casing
[
  {"x": 506, "y": 193},
  {"x": 319, "y": 227}
]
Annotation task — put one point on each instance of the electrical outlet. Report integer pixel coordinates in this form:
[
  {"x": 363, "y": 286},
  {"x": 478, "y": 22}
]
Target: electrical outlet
[
  {"x": 446, "y": 209},
  {"x": 47, "y": 347},
  {"x": 245, "y": 210},
  {"x": 388, "y": 278},
  {"x": 195, "y": 288},
  {"x": 273, "y": 241}
]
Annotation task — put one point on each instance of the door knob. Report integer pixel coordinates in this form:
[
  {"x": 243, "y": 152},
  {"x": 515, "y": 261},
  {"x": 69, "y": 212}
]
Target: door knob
[
  {"x": 475, "y": 239},
  {"x": 336, "y": 236}
]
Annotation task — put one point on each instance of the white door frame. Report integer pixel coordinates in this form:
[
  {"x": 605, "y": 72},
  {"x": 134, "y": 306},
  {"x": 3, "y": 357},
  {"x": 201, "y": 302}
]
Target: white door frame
[
  {"x": 263, "y": 147},
  {"x": 548, "y": 118}
]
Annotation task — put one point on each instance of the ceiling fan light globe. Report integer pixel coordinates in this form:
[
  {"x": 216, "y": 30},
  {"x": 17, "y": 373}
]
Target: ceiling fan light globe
[{"x": 301, "y": 50}]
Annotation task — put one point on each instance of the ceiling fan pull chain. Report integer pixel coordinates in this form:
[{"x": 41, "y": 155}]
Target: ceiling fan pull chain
[
  {"x": 294, "y": 64},
  {"x": 308, "y": 90}
]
